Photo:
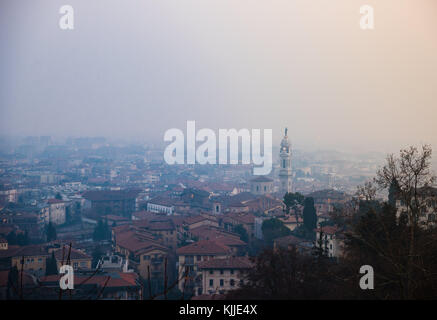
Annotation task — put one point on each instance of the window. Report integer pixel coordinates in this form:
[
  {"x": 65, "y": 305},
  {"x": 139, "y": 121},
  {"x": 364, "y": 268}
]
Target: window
[
  {"x": 199, "y": 258},
  {"x": 146, "y": 257},
  {"x": 222, "y": 282},
  {"x": 221, "y": 271},
  {"x": 211, "y": 282},
  {"x": 232, "y": 271},
  {"x": 211, "y": 272},
  {"x": 232, "y": 282}
]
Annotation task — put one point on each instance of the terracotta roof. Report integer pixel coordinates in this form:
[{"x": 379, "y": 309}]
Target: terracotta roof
[
  {"x": 237, "y": 204},
  {"x": 262, "y": 179},
  {"x": 133, "y": 242},
  {"x": 32, "y": 250},
  {"x": 121, "y": 228},
  {"x": 230, "y": 241},
  {"x": 329, "y": 229},
  {"x": 206, "y": 247},
  {"x": 199, "y": 218},
  {"x": 219, "y": 187},
  {"x": 245, "y": 218},
  {"x": 110, "y": 195},
  {"x": 289, "y": 240},
  {"x": 242, "y": 197},
  {"x": 163, "y": 201},
  {"x": 74, "y": 254},
  {"x": 160, "y": 225},
  {"x": 214, "y": 233},
  {"x": 11, "y": 252},
  {"x": 228, "y": 263},
  {"x": 116, "y": 279}
]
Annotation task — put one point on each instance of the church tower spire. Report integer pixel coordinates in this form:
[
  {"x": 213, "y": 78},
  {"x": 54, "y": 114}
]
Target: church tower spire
[{"x": 285, "y": 175}]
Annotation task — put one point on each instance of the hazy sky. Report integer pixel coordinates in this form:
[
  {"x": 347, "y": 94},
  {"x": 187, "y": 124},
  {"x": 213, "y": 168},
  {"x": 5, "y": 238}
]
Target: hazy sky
[{"x": 138, "y": 68}]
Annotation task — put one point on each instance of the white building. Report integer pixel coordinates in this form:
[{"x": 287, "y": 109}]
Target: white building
[
  {"x": 161, "y": 205},
  {"x": 57, "y": 211},
  {"x": 9, "y": 195},
  {"x": 220, "y": 276},
  {"x": 331, "y": 240},
  {"x": 427, "y": 201}
]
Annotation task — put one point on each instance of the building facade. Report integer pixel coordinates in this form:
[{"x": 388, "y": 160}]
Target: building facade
[{"x": 261, "y": 185}]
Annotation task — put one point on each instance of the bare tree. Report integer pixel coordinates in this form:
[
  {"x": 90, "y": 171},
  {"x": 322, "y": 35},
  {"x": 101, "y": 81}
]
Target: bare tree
[
  {"x": 411, "y": 170},
  {"x": 366, "y": 191}
]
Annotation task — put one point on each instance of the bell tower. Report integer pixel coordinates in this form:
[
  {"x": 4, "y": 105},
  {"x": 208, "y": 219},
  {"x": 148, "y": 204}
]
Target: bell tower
[{"x": 285, "y": 175}]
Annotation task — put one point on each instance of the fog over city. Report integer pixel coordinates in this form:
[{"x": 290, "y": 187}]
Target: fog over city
[
  {"x": 230, "y": 150},
  {"x": 135, "y": 69}
]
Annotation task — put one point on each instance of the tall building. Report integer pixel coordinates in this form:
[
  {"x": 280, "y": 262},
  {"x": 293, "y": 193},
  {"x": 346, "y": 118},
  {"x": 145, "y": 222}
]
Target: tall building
[{"x": 285, "y": 175}]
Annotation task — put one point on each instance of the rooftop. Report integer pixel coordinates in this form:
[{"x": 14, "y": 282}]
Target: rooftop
[
  {"x": 262, "y": 179},
  {"x": 228, "y": 263},
  {"x": 206, "y": 247},
  {"x": 110, "y": 195}
]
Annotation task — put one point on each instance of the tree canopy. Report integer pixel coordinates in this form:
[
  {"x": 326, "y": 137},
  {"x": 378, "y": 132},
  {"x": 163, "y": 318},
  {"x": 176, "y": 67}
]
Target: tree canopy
[
  {"x": 51, "y": 232},
  {"x": 272, "y": 229},
  {"x": 309, "y": 215}
]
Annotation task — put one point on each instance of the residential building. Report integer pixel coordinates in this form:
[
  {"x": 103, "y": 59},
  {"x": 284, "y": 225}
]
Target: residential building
[
  {"x": 31, "y": 259},
  {"x": 331, "y": 240},
  {"x": 78, "y": 259},
  {"x": 219, "y": 276},
  {"x": 161, "y": 205},
  {"x": 57, "y": 211},
  {"x": 191, "y": 255},
  {"x": 116, "y": 202},
  {"x": 427, "y": 199},
  {"x": 261, "y": 185}
]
